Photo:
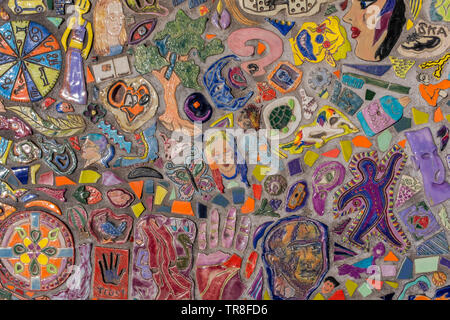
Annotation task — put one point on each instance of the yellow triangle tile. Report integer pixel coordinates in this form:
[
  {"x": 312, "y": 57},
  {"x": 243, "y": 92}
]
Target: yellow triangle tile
[
  {"x": 409, "y": 24},
  {"x": 392, "y": 284},
  {"x": 351, "y": 287},
  {"x": 419, "y": 117},
  {"x": 160, "y": 194},
  {"x": 319, "y": 296},
  {"x": 347, "y": 149},
  {"x": 138, "y": 209}
]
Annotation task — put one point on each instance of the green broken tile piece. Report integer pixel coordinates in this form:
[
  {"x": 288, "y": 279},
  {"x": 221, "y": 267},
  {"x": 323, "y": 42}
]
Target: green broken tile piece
[
  {"x": 165, "y": 184},
  {"x": 165, "y": 209},
  {"x": 89, "y": 176},
  {"x": 384, "y": 140},
  {"x": 351, "y": 287},
  {"x": 370, "y": 95},
  {"x": 424, "y": 265},
  {"x": 33, "y": 170},
  {"x": 419, "y": 117},
  {"x": 365, "y": 289},
  {"x": 310, "y": 158},
  {"x": 173, "y": 194},
  {"x": 260, "y": 172},
  {"x": 50, "y": 4},
  {"x": 347, "y": 150},
  {"x": 319, "y": 296},
  {"x": 137, "y": 209},
  {"x": 55, "y": 21},
  {"x": 160, "y": 194},
  {"x": 403, "y": 124},
  {"x": 232, "y": 184},
  {"x": 392, "y": 284}
]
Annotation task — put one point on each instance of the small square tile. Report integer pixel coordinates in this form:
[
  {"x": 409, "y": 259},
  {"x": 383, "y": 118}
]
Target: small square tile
[{"x": 295, "y": 167}]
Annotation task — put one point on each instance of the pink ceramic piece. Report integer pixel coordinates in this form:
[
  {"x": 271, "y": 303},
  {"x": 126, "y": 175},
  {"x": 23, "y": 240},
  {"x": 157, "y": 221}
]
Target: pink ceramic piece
[
  {"x": 427, "y": 160},
  {"x": 237, "y": 44},
  {"x": 57, "y": 194},
  {"x": 243, "y": 233},
  {"x": 20, "y": 128},
  {"x": 120, "y": 198},
  {"x": 110, "y": 179},
  {"x": 229, "y": 229},
  {"x": 217, "y": 276},
  {"x": 79, "y": 283},
  {"x": 214, "y": 231},
  {"x": 326, "y": 177},
  {"x": 162, "y": 258},
  {"x": 107, "y": 227},
  {"x": 46, "y": 178},
  {"x": 149, "y": 202},
  {"x": 202, "y": 236}
]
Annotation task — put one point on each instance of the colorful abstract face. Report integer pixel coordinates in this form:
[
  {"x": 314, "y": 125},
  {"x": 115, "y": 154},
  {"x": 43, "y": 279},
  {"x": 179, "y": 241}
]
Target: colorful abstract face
[
  {"x": 115, "y": 17},
  {"x": 315, "y": 43},
  {"x": 295, "y": 256},
  {"x": 376, "y": 26}
]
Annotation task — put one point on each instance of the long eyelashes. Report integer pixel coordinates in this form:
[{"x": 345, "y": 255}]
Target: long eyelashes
[{"x": 366, "y": 3}]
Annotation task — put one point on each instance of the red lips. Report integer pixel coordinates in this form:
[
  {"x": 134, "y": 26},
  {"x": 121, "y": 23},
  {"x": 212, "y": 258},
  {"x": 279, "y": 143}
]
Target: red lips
[{"x": 355, "y": 32}]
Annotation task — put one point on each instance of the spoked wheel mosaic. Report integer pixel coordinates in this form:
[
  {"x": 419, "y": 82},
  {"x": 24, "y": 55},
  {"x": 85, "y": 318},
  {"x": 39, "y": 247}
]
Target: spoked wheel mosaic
[{"x": 30, "y": 61}]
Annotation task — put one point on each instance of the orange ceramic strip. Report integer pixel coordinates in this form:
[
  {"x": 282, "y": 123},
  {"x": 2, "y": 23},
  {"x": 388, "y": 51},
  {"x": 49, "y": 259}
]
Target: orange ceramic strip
[{"x": 45, "y": 204}]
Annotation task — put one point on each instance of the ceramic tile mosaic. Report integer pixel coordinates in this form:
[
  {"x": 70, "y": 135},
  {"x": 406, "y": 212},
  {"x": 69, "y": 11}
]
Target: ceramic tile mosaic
[{"x": 224, "y": 149}]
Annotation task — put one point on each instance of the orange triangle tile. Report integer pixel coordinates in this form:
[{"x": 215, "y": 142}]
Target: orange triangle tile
[
  {"x": 334, "y": 153},
  {"x": 182, "y": 207},
  {"x": 261, "y": 48},
  {"x": 210, "y": 36},
  {"x": 63, "y": 181},
  {"x": 89, "y": 76},
  {"x": 391, "y": 257},
  {"x": 438, "y": 116},
  {"x": 362, "y": 142},
  {"x": 402, "y": 143},
  {"x": 337, "y": 73},
  {"x": 137, "y": 187},
  {"x": 249, "y": 205}
]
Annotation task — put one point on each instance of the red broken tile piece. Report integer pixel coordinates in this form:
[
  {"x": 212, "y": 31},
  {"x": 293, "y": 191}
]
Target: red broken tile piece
[
  {"x": 334, "y": 153},
  {"x": 257, "y": 191},
  {"x": 47, "y": 102},
  {"x": 338, "y": 295}
]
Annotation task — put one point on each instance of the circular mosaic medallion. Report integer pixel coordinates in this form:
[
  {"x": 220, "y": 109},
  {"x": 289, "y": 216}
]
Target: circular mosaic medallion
[
  {"x": 36, "y": 251},
  {"x": 275, "y": 185},
  {"x": 30, "y": 61}
]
